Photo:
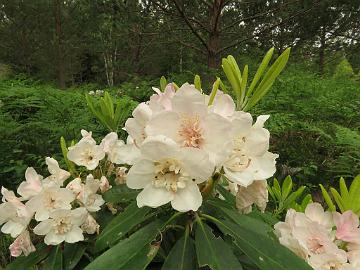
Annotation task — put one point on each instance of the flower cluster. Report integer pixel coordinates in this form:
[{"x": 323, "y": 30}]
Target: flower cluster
[
  {"x": 326, "y": 240},
  {"x": 184, "y": 137},
  {"x": 177, "y": 141}
]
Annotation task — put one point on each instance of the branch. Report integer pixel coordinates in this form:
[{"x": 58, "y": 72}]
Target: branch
[
  {"x": 266, "y": 29},
  {"x": 187, "y": 21}
]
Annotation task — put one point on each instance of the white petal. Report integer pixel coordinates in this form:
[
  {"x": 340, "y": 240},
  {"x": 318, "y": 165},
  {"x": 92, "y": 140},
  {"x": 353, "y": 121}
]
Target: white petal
[
  {"x": 31, "y": 186},
  {"x": 140, "y": 174},
  {"x": 75, "y": 235},
  {"x": 159, "y": 147},
  {"x": 108, "y": 141},
  {"x": 188, "y": 198},
  {"x": 242, "y": 123},
  {"x": 53, "y": 165},
  {"x": 124, "y": 154},
  {"x": 265, "y": 166},
  {"x": 257, "y": 141},
  {"x": 165, "y": 123},
  {"x": 154, "y": 197},
  {"x": 243, "y": 178},
  {"x": 142, "y": 113},
  {"x": 197, "y": 164},
  {"x": 79, "y": 215},
  {"x": 13, "y": 228},
  {"x": 54, "y": 239},
  {"x": 261, "y": 120},
  {"x": 135, "y": 130},
  {"x": 44, "y": 227}
]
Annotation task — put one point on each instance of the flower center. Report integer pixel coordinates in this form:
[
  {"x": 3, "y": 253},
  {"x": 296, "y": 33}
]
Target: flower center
[
  {"x": 315, "y": 245},
  {"x": 168, "y": 175},
  {"x": 238, "y": 161},
  {"x": 62, "y": 225},
  {"x": 191, "y": 132},
  {"x": 50, "y": 201},
  {"x": 88, "y": 155}
]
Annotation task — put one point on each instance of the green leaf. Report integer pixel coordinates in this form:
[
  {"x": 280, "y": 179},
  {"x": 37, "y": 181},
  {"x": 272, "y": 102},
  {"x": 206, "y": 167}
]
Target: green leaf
[
  {"x": 182, "y": 256},
  {"x": 55, "y": 259},
  {"x": 143, "y": 258},
  {"x": 344, "y": 193},
  {"x": 235, "y": 84},
  {"x": 27, "y": 262},
  {"x": 327, "y": 199},
  {"x": 262, "y": 250},
  {"x": 227, "y": 195},
  {"x": 120, "y": 193},
  {"x": 120, "y": 225},
  {"x": 293, "y": 197},
  {"x": 260, "y": 71},
  {"x": 244, "y": 82},
  {"x": 213, "y": 251},
  {"x": 277, "y": 189},
  {"x": 163, "y": 83},
  {"x": 214, "y": 91},
  {"x": 70, "y": 165},
  {"x": 354, "y": 192},
  {"x": 269, "y": 79},
  {"x": 72, "y": 254},
  {"x": 307, "y": 199},
  {"x": 287, "y": 187},
  {"x": 123, "y": 254},
  {"x": 338, "y": 199},
  {"x": 197, "y": 82}
]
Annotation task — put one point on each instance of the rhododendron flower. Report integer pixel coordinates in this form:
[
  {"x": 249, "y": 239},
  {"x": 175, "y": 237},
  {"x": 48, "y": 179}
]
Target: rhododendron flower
[
  {"x": 330, "y": 261},
  {"x": 22, "y": 244},
  {"x": 223, "y": 105},
  {"x": 347, "y": 227},
  {"x": 90, "y": 226},
  {"x": 191, "y": 124},
  {"x": 13, "y": 214},
  {"x": 256, "y": 193},
  {"x": 136, "y": 126},
  {"x": 32, "y": 186},
  {"x": 63, "y": 225},
  {"x": 121, "y": 175},
  {"x": 88, "y": 195},
  {"x": 104, "y": 184},
  {"x": 58, "y": 175},
  {"x": 162, "y": 100},
  {"x": 49, "y": 199},
  {"x": 315, "y": 212},
  {"x": 86, "y": 153},
  {"x": 249, "y": 159},
  {"x": 169, "y": 173}
]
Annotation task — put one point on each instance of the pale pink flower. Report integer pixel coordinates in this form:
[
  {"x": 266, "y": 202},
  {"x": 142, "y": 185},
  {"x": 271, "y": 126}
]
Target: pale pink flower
[
  {"x": 347, "y": 226},
  {"x": 256, "y": 193},
  {"x": 162, "y": 100},
  {"x": 90, "y": 226},
  {"x": 31, "y": 186},
  {"x": 104, "y": 184},
  {"x": 223, "y": 105},
  {"x": 315, "y": 212},
  {"x": 136, "y": 126},
  {"x": 58, "y": 175},
  {"x": 22, "y": 244}
]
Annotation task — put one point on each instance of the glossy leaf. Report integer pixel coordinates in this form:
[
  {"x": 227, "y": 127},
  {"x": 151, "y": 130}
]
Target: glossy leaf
[
  {"x": 327, "y": 199},
  {"x": 212, "y": 251},
  {"x": 120, "y": 193},
  {"x": 120, "y": 225},
  {"x": 55, "y": 259},
  {"x": 163, "y": 83},
  {"x": 182, "y": 256},
  {"x": 27, "y": 262},
  {"x": 72, "y": 254},
  {"x": 197, "y": 82}
]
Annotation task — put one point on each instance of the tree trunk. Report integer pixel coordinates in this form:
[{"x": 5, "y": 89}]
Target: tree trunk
[
  {"x": 322, "y": 51},
  {"x": 214, "y": 40},
  {"x": 59, "y": 45}
]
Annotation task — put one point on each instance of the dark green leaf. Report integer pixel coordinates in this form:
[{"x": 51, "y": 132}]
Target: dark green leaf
[
  {"x": 120, "y": 225},
  {"x": 213, "y": 251},
  {"x": 182, "y": 255},
  {"x": 72, "y": 254},
  {"x": 26, "y": 262},
  {"x": 55, "y": 259},
  {"x": 120, "y": 193}
]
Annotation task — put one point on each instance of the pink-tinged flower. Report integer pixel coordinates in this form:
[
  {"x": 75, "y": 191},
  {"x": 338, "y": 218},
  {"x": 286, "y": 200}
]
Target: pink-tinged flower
[
  {"x": 13, "y": 214},
  {"x": 223, "y": 105},
  {"x": 256, "y": 193},
  {"x": 168, "y": 173},
  {"x": 315, "y": 212},
  {"x": 249, "y": 159},
  {"x": 104, "y": 184},
  {"x": 22, "y": 245},
  {"x": 330, "y": 261},
  {"x": 347, "y": 226},
  {"x": 136, "y": 126},
  {"x": 86, "y": 153},
  {"x": 162, "y": 100},
  {"x": 90, "y": 226},
  {"x": 32, "y": 186},
  {"x": 191, "y": 125},
  {"x": 75, "y": 186},
  {"x": 354, "y": 255},
  {"x": 87, "y": 136},
  {"x": 62, "y": 225},
  {"x": 58, "y": 175}
]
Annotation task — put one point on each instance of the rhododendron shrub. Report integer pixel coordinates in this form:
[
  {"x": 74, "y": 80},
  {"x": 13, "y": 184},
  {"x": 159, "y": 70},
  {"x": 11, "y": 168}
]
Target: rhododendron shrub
[{"x": 186, "y": 190}]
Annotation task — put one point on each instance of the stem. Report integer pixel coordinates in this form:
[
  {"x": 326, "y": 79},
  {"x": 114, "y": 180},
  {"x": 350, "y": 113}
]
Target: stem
[{"x": 210, "y": 185}]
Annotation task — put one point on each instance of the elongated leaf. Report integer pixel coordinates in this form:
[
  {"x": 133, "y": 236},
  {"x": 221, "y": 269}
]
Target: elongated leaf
[
  {"x": 263, "y": 251},
  {"x": 55, "y": 259},
  {"x": 338, "y": 199},
  {"x": 72, "y": 255},
  {"x": 354, "y": 192},
  {"x": 109, "y": 104},
  {"x": 119, "y": 256},
  {"x": 163, "y": 83},
  {"x": 213, "y": 251},
  {"x": 231, "y": 77},
  {"x": 227, "y": 195},
  {"x": 344, "y": 193},
  {"x": 182, "y": 256},
  {"x": 327, "y": 199},
  {"x": 286, "y": 187},
  {"x": 197, "y": 82},
  {"x": 143, "y": 258},
  {"x": 214, "y": 91},
  {"x": 119, "y": 194},
  {"x": 293, "y": 197},
  {"x": 269, "y": 79},
  {"x": 121, "y": 225},
  {"x": 260, "y": 70},
  {"x": 27, "y": 262},
  {"x": 70, "y": 165},
  {"x": 244, "y": 82}
]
